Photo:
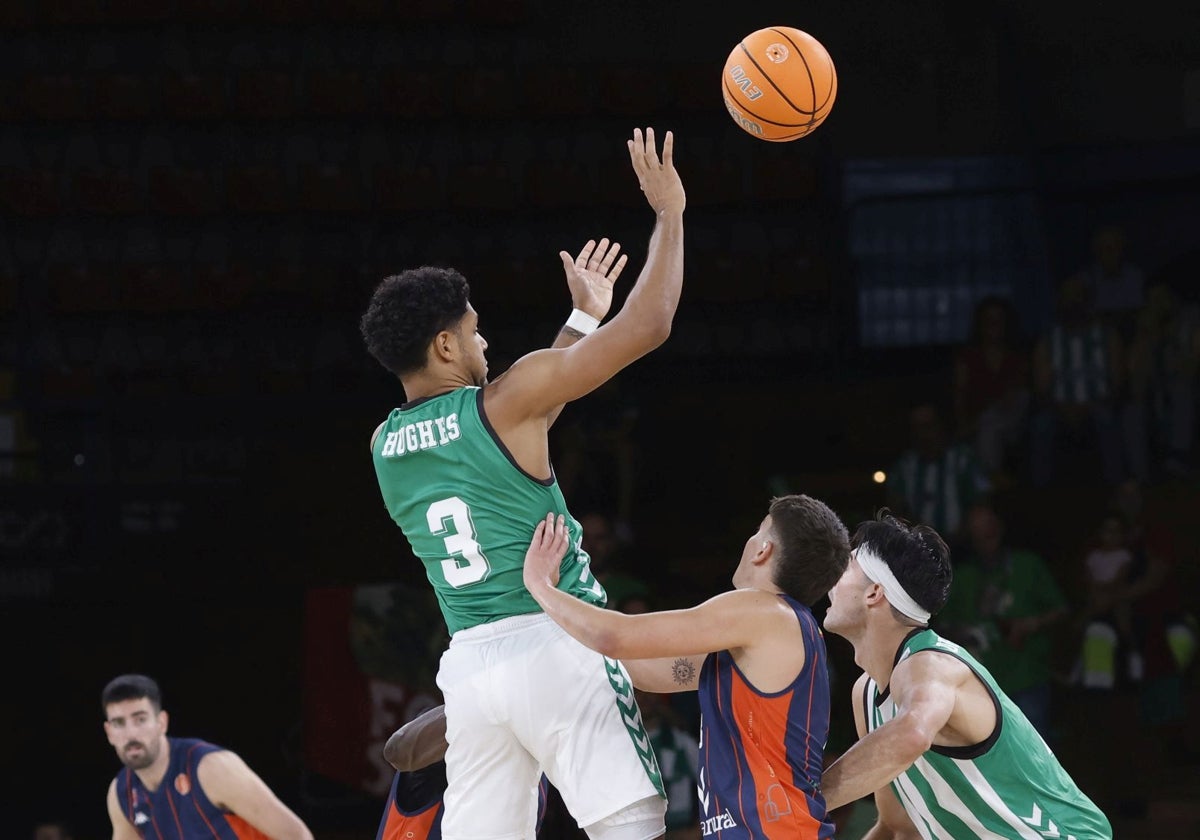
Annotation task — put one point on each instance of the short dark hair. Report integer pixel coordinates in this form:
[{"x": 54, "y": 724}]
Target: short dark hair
[
  {"x": 407, "y": 310},
  {"x": 916, "y": 554},
  {"x": 131, "y": 687},
  {"x": 814, "y": 547}
]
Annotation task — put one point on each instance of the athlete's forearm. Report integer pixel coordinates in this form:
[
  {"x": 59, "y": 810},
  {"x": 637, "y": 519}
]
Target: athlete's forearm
[
  {"x": 654, "y": 297},
  {"x": 565, "y": 338},
  {"x": 597, "y": 628},
  {"x": 873, "y": 762}
]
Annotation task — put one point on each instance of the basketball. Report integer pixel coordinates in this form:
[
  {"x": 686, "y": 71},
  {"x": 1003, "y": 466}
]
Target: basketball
[{"x": 779, "y": 84}]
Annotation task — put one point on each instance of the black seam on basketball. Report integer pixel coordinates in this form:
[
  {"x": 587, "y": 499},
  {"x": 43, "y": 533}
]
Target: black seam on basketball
[
  {"x": 832, "y": 85},
  {"x": 783, "y": 95},
  {"x": 812, "y": 84},
  {"x": 789, "y": 137},
  {"x": 807, "y": 130},
  {"x": 731, "y": 93},
  {"x": 832, "y": 74},
  {"x": 749, "y": 113}
]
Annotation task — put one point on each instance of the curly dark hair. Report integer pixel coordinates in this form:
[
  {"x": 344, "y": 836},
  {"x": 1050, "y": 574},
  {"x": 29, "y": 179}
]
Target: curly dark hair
[
  {"x": 407, "y": 310},
  {"x": 916, "y": 554},
  {"x": 814, "y": 547}
]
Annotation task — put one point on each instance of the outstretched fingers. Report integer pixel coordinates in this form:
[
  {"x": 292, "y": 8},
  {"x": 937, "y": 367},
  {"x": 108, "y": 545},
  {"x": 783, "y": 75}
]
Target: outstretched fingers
[
  {"x": 651, "y": 151},
  {"x": 585, "y": 253},
  {"x": 637, "y": 148},
  {"x": 657, "y": 178},
  {"x": 641, "y": 151},
  {"x": 619, "y": 267},
  {"x": 610, "y": 258},
  {"x": 601, "y": 250}
]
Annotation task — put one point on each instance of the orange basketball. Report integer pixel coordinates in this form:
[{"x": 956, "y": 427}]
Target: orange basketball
[{"x": 779, "y": 83}]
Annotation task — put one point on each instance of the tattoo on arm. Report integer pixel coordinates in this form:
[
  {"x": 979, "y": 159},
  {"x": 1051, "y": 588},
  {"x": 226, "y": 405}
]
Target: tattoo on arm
[
  {"x": 572, "y": 332},
  {"x": 683, "y": 671}
]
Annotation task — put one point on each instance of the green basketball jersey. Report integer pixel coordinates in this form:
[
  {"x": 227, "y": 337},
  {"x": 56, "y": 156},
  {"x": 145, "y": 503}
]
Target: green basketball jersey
[
  {"x": 1010, "y": 786},
  {"x": 468, "y": 511}
]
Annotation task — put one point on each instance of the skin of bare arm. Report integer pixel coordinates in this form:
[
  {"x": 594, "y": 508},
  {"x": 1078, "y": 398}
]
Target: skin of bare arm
[
  {"x": 419, "y": 743},
  {"x": 893, "y": 822},
  {"x": 666, "y": 675},
  {"x": 522, "y": 402},
  {"x": 927, "y": 689},
  {"x": 230, "y": 783},
  {"x": 730, "y": 621},
  {"x": 122, "y": 828},
  {"x": 591, "y": 277}
]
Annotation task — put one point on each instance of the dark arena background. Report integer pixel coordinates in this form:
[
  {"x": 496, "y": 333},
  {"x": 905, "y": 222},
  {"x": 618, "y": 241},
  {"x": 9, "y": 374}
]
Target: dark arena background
[{"x": 200, "y": 195}]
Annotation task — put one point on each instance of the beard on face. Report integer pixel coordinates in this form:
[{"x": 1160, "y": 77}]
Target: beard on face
[{"x": 138, "y": 762}]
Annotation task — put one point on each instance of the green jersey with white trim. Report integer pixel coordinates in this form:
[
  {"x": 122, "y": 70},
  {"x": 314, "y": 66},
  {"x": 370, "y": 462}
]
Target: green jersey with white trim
[
  {"x": 468, "y": 511},
  {"x": 1009, "y": 786}
]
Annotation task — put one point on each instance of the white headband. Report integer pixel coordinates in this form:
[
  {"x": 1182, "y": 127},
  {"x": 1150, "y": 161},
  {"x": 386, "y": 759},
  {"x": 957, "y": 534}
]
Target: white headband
[{"x": 877, "y": 571}]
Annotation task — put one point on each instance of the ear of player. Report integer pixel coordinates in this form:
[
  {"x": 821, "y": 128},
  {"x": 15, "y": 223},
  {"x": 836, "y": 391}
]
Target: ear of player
[{"x": 779, "y": 84}]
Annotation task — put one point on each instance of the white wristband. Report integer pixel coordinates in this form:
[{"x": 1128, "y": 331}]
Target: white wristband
[{"x": 582, "y": 322}]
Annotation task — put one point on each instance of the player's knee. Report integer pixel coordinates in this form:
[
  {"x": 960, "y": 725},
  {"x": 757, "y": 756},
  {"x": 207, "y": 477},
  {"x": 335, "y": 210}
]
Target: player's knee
[{"x": 642, "y": 820}]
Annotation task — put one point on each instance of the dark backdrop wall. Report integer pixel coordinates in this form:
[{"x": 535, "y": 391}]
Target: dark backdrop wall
[{"x": 198, "y": 198}]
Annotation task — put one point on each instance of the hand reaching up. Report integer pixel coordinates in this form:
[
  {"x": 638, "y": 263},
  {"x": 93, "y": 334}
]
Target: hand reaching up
[
  {"x": 658, "y": 178},
  {"x": 591, "y": 275}
]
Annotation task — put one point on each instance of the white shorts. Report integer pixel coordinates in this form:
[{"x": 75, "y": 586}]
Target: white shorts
[{"x": 522, "y": 698}]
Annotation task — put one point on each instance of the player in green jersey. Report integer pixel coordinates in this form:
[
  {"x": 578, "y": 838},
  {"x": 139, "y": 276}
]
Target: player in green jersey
[
  {"x": 946, "y": 753},
  {"x": 464, "y": 469}
]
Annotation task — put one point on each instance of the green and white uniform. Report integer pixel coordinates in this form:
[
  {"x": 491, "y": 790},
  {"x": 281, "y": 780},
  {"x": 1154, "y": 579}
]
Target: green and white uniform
[
  {"x": 1009, "y": 786},
  {"x": 469, "y": 511},
  {"x": 522, "y": 697}
]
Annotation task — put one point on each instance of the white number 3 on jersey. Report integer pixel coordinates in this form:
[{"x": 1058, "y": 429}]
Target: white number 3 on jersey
[{"x": 466, "y": 564}]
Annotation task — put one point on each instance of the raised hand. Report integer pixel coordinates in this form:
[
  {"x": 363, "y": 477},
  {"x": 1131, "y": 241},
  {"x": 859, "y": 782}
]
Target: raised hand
[
  {"x": 658, "y": 178},
  {"x": 592, "y": 274}
]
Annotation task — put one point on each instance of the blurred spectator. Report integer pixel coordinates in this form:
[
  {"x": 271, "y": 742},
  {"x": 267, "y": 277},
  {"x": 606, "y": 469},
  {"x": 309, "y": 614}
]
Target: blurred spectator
[
  {"x": 607, "y": 559},
  {"x": 1078, "y": 375},
  {"x": 935, "y": 481},
  {"x": 1165, "y": 636},
  {"x": 678, "y": 754},
  {"x": 1160, "y": 415},
  {"x": 1108, "y": 631},
  {"x": 1115, "y": 285},
  {"x": 1002, "y": 605},
  {"x": 991, "y": 384},
  {"x": 1163, "y": 626},
  {"x": 52, "y": 829}
]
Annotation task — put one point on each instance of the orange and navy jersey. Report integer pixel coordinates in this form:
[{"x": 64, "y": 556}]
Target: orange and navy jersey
[
  {"x": 414, "y": 805},
  {"x": 179, "y": 809},
  {"x": 761, "y": 754}
]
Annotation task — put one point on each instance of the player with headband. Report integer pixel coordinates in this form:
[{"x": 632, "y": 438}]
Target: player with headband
[{"x": 946, "y": 753}]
